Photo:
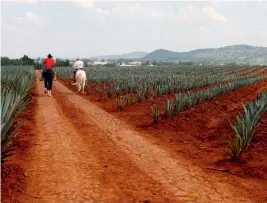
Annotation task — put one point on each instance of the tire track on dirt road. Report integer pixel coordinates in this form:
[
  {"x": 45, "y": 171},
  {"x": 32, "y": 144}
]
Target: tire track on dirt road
[
  {"x": 183, "y": 181},
  {"x": 61, "y": 169},
  {"x": 64, "y": 165}
]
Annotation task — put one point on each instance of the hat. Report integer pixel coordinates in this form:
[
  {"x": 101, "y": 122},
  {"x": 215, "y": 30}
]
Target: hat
[
  {"x": 49, "y": 56},
  {"x": 78, "y": 58}
]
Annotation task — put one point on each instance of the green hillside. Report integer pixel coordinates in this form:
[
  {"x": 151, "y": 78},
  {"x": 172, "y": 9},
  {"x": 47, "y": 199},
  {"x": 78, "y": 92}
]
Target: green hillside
[{"x": 235, "y": 54}]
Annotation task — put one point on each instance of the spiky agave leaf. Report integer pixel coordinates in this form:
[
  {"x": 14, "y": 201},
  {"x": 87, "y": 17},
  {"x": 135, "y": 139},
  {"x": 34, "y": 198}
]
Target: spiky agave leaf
[
  {"x": 169, "y": 109},
  {"x": 246, "y": 126},
  {"x": 155, "y": 113}
]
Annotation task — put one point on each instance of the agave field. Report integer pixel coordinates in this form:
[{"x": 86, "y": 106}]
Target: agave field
[
  {"x": 16, "y": 85},
  {"x": 132, "y": 85},
  {"x": 179, "y": 87},
  {"x": 211, "y": 115},
  {"x": 158, "y": 80}
]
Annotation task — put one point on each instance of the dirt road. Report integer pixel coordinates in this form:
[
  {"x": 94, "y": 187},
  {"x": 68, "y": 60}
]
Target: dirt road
[{"x": 83, "y": 154}]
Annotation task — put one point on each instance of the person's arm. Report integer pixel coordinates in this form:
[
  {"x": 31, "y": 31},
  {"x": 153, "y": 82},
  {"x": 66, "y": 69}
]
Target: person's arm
[{"x": 75, "y": 65}]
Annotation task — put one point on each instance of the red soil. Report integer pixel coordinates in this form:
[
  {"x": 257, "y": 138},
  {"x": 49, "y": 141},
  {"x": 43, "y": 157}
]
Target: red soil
[
  {"x": 264, "y": 73},
  {"x": 80, "y": 153},
  {"x": 201, "y": 135}
]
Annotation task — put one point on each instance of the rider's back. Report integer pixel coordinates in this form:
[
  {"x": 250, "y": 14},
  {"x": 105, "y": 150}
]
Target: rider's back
[{"x": 78, "y": 64}]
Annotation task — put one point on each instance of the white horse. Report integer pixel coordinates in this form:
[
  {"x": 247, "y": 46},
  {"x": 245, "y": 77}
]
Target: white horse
[{"x": 80, "y": 78}]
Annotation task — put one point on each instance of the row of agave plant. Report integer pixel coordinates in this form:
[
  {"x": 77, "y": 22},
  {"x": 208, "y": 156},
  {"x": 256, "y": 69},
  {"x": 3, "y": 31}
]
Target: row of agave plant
[
  {"x": 129, "y": 78},
  {"x": 141, "y": 94},
  {"x": 162, "y": 80},
  {"x": 246, "y": 126},
  {"x": 180, "y": 84},
  {"x": 183, "y": 101},
  {"x": 16, "y": 85}
]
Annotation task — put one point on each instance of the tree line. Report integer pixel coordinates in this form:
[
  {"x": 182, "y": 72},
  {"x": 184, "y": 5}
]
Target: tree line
[{"x": 27, "y": 61}]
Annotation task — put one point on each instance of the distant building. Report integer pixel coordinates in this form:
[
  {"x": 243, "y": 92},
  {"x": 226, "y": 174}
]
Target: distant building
[
  {"x": 100, "y": 63},
  {"x": 131, "y": 64},
  {"x": 135, "y": 63}
]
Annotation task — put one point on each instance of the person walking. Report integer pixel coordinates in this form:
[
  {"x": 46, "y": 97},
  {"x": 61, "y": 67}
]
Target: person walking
[
  {"x": 48, "y": 73},
  {"x": 77, "y": 65}
]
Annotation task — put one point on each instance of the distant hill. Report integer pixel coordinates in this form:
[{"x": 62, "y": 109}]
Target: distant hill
[
  {"x": 132, "y": 55},
  {"x": 235, "y": 54}
]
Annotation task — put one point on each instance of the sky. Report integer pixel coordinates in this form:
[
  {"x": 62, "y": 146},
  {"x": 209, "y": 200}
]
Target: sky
[{"x": 82, "y": 28}]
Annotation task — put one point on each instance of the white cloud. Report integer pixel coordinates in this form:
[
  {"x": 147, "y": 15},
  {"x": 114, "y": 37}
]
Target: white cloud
[
  {"x": 29, "y": 1},
  {"x": 110, "y": 25},
  {"x": 23, "y": 1},
  {"x": 186, "y": 14},
  {"x": 244, "y": 3},
  {"x": 32, "y": 18},
  {"x": 83, "y": 3},
  {"x": 134, "y": 8},
  {"x": 102, "y": 11},
  {"x": 29, "y": 19},
  {"x": 9, "y": 28},
  {"x": 205, "y": 30},
  {"x": 29, "y": 15},
  {"x": 156, "y": 15},
  {"x": 213, "y": 14},
  {"x": 115, "y": 9}
]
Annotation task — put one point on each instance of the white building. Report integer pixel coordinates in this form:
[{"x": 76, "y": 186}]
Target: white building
[
  {"x": 131, "y": 64},
  {"x": 99, "y": 63},
  {"x": 135, "y": 63}
]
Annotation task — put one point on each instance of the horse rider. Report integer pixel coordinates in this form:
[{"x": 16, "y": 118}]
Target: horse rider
[
  {"x": 43, "y": 69},
  {"x": 48, "y": 73},
  {"x": 77, "y": 65}
]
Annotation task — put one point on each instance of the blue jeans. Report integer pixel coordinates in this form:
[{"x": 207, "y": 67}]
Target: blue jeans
[{"x": 48, "y": 78}]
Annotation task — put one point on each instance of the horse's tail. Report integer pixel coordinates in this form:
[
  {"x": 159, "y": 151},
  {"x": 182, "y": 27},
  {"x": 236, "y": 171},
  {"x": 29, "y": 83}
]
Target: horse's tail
[{"x": 83, "y": 79}]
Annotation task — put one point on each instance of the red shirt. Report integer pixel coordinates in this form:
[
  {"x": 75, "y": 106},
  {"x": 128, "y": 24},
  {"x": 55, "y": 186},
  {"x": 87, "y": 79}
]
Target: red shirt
[{"x": 49, "y": 62}]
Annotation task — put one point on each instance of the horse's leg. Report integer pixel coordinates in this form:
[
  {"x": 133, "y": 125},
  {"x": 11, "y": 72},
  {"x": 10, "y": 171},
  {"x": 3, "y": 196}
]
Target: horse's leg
[
  {"x": 45, "y": 82},
  {"x": 79, "y": 86},
  {"x": 74, "y": 76},
  {"x": 83, "y": 84}
]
